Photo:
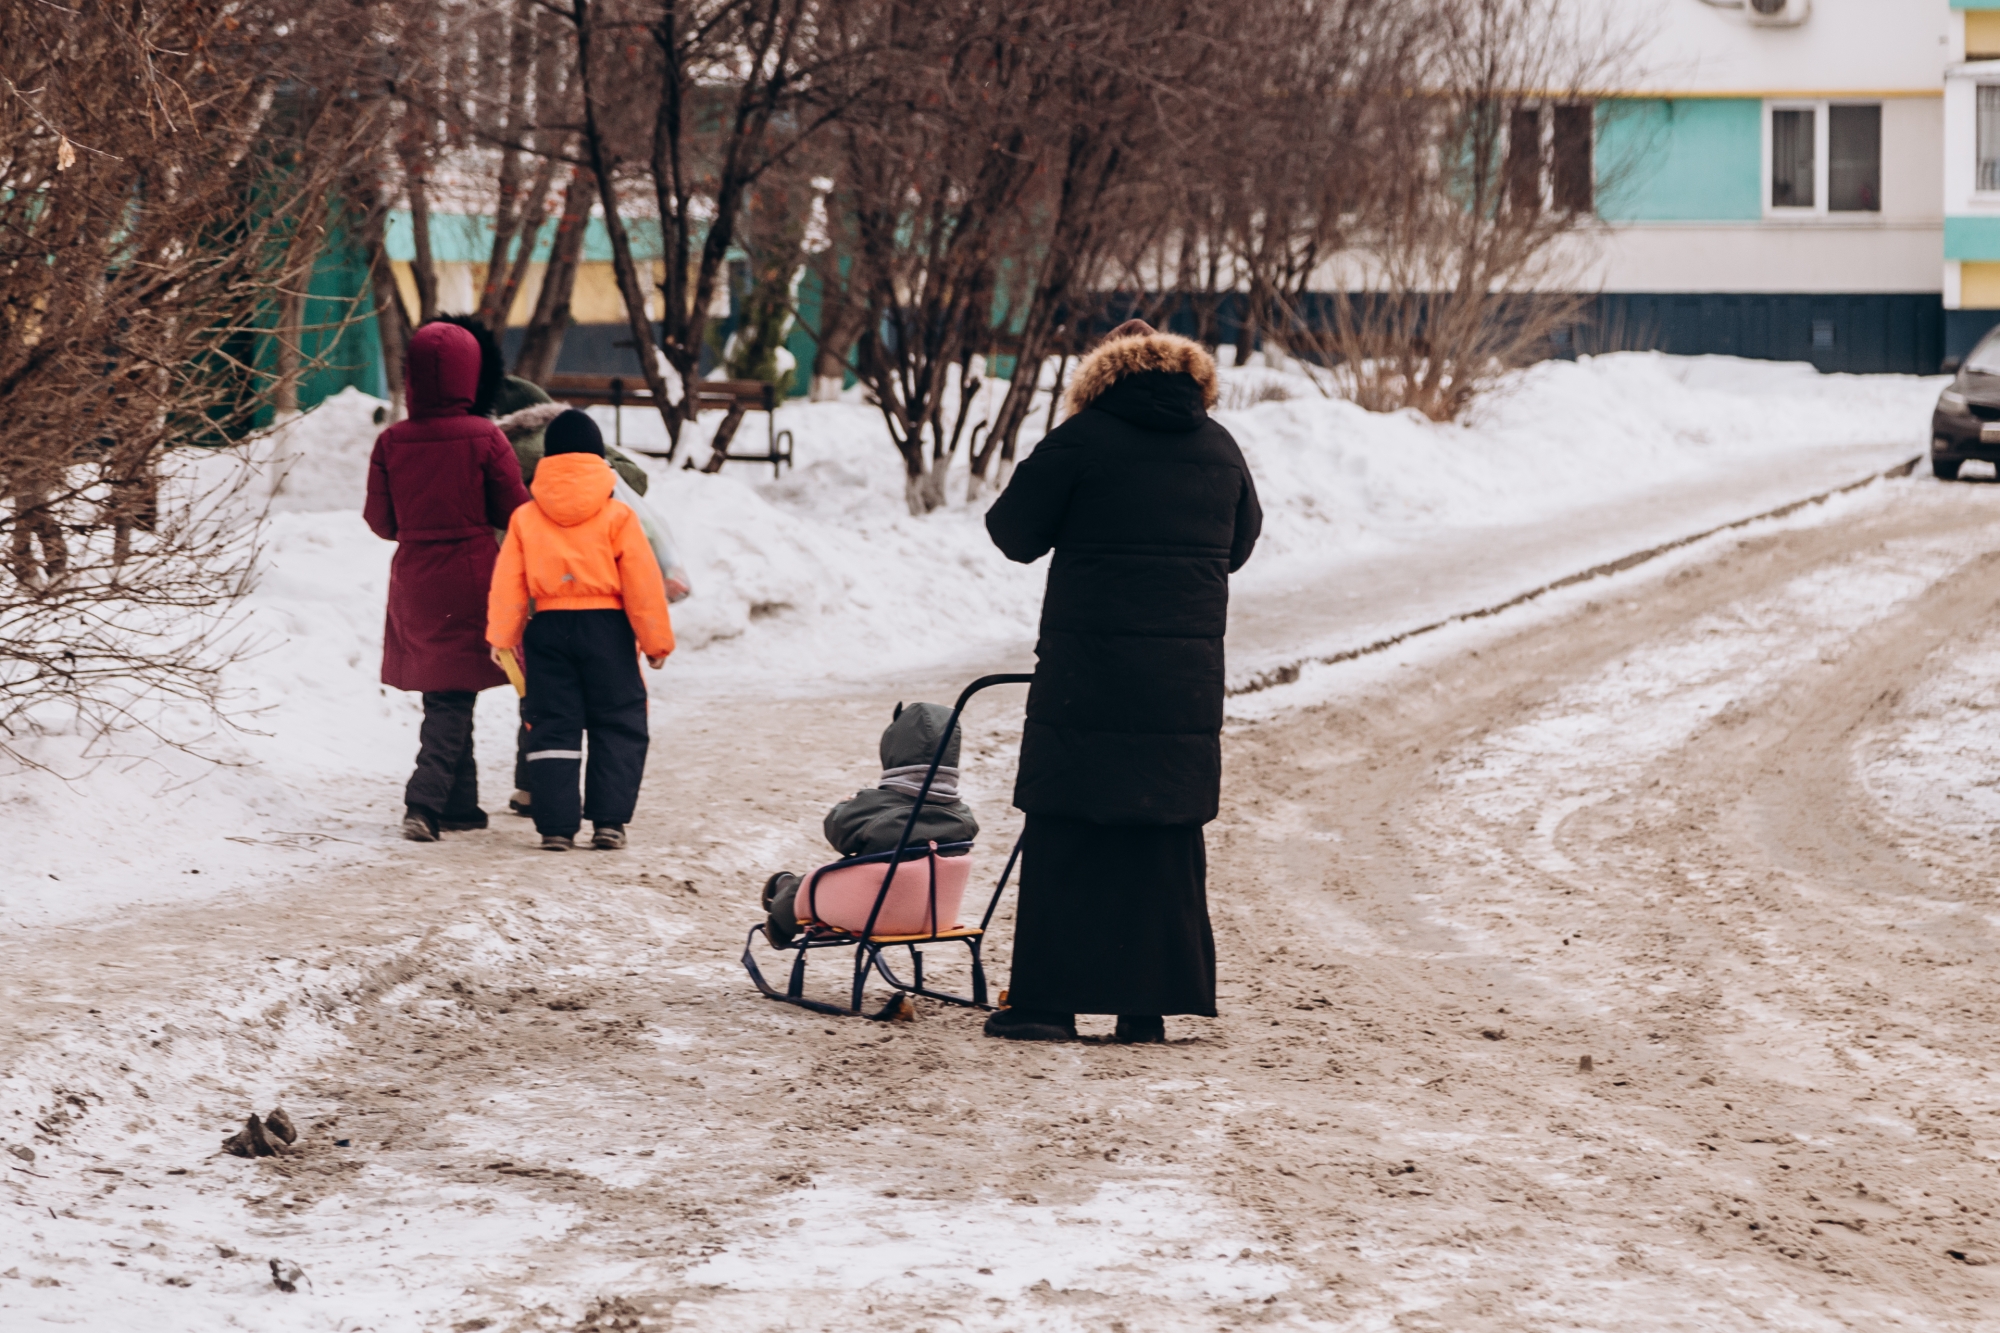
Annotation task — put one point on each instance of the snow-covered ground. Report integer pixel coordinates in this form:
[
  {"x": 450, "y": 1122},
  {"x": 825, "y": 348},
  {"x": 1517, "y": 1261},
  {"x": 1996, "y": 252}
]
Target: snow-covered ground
[{"x": 821, "y": 577}]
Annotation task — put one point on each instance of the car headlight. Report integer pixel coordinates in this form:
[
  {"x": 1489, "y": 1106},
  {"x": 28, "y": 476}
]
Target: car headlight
[{"x": 1951, "y": 400}]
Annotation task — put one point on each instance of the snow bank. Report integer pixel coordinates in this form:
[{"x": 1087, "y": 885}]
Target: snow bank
[{"x": 821, "y": 576}]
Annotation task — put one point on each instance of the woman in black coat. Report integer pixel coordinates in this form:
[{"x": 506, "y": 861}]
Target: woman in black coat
[{"x": 1149, "y": 508}]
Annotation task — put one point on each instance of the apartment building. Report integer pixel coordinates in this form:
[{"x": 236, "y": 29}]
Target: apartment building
[{"x": 1780, "y": 182}]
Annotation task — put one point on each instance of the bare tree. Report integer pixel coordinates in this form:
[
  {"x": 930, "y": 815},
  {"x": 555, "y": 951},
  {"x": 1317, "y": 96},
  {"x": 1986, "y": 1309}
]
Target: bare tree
[
  {"x": 737, "y": 88},
  {"x": 165, "y": 173},
  {"x": 1468, "y": 252},
  {"x": 1123, "y": 72},
  {"x": 542, "y": 340},
  {"x": 933, "y": 176}
]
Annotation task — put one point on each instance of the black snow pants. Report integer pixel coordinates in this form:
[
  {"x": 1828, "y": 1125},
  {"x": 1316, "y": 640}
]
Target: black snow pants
[
  {"x": 583, "y": 676},
  {"x": 446, "y": 782}
]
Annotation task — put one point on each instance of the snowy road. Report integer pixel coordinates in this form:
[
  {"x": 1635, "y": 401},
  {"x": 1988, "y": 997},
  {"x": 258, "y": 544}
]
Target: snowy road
[{"x": 1721, "y": 824}]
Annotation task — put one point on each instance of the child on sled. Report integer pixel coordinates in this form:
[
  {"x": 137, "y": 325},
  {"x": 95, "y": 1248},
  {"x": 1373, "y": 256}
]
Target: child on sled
[{"x": 874, "y": 819}]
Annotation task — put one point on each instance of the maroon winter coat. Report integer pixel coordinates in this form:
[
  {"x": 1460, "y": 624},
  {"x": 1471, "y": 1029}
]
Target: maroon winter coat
[{"x": 438, "y": 485}]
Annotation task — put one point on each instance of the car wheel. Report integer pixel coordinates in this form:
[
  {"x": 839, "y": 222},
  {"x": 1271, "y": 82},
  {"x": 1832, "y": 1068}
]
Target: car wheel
[{"x": 1945, "y": 469}]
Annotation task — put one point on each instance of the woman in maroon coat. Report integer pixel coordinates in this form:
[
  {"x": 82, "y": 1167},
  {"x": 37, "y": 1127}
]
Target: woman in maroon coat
[{"x": 438, "y": 486}]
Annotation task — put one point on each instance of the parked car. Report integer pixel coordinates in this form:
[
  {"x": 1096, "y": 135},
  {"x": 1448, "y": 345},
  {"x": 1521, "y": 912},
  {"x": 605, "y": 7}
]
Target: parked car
[{"x": 1966, "y": 422}]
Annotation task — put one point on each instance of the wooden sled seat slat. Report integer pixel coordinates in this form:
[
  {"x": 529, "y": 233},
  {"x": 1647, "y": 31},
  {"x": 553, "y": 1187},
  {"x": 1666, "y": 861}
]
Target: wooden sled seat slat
[{"x": 955, "y": 933}]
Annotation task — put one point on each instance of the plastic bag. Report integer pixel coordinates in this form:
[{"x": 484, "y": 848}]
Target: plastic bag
[{"x": 679, "y": 586}]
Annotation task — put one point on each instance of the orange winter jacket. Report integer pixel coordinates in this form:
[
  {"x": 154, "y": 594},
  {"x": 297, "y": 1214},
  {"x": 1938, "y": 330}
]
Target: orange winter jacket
[{"x": 574, "y": 548}]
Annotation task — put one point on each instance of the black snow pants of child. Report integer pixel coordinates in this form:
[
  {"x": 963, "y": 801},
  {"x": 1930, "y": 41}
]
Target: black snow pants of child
[
  {"x": 446, "y": 782},
  {"x": 583, "y": 676}
]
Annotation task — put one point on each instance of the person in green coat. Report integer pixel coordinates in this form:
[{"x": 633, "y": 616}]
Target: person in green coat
[{"x": 523, "y": 411}]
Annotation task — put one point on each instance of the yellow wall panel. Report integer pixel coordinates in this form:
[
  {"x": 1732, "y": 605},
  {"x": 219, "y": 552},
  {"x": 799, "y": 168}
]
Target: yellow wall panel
[
  {"x": 1982, "y": 34},
  {"x": 1979, "y": 285},
  {"x": 406, "y": 284},
  {"x": 595, "y": 299}
]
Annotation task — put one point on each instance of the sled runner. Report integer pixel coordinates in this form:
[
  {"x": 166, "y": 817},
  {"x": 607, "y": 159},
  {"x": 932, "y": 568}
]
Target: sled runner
[{"x": 900, "y": 899}]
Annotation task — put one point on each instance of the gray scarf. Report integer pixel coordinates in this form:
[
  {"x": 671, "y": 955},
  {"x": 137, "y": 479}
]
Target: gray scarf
[{"x": 909, "y": 780}]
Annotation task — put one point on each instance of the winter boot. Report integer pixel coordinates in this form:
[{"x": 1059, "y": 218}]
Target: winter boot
[
  {"x": 608, "y": 837},
  {"x": 556, "y": 842},
  {"x": 419, "y": 824},
  {"x": 1031, "y": 1025},
  {"x": 519, "y": 802},
  {"x": 1135, "y": 1029},
  {"x": 468, "y": 822},
  {"x": 781, "y": 923}
]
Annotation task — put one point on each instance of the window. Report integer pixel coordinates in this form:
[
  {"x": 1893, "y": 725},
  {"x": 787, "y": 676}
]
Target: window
[
  {"x": 1854, "y": 159},
  {"x": 1524, "y": 160},
  {"x": 1574, "y": 183},
  {"x": 1826, "y": 157},
  {"x": 1792, "y": 153},
  {"x": 1550, "y": 162},
  {"x": 1988, "y": 134}
]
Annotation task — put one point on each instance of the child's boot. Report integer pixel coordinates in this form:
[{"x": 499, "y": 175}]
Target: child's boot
[
  {"x": 608, "y": 837},
  {"x": 781, "y": 893},
  {"x": 419, "y": 824}
]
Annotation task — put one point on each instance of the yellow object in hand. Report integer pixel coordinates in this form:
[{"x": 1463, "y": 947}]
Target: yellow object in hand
[{"x": 512, "y": 666}]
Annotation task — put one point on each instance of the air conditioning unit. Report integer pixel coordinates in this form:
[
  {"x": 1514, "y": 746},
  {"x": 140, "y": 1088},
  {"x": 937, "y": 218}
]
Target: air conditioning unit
[{"x": 1777, "y": 13}]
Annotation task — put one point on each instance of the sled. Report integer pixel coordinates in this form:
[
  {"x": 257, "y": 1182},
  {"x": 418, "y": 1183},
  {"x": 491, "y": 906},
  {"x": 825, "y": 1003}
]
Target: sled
[{"x": 915, "y": 881}]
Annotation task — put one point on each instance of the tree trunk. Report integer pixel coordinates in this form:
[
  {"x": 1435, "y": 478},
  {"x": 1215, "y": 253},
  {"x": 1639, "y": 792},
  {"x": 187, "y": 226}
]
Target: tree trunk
[
  {"x": 534, "y": 215},
  {"x": 542, "y": 344},
  {"x": 1246, "y": 335},
  {"x": 513, "y": 208},
  {"x": 301, "y": 255},
  {"x": 718, "y": 448},
  {"x": 291, "y": 314},
  {"x": 392, "y": 321},
  {"x": 622, "y": 263},
  {"x": 423, "y": 267}
]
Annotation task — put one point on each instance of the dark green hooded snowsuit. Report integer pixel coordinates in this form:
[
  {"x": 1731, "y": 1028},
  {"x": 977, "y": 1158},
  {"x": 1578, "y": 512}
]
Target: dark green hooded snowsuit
[
  {"x": 523, "y": 411},
  {"x": 874, "y": 819}
]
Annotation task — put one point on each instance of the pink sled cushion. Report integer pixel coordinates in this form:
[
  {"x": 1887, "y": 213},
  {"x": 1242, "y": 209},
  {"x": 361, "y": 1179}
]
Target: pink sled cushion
[{"x": 843, "y": 898}]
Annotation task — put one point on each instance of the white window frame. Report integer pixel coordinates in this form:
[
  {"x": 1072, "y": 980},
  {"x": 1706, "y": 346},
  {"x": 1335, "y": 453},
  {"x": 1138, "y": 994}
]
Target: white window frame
[
  {"x": 1983, "y": 196},
  {"x": 1822, "y": 162},
  {"x": 1820, "y": 159}
]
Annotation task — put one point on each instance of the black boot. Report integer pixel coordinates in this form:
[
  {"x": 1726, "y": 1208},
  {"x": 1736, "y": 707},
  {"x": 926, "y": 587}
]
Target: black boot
[
  {"x": 1135, "y": 1029},
  {"x": 781, "y": 924},
  {"x": 419, "y": 824},
  {"x": 1031, "y": 1025},
  {"x": 467, "y": 822}
]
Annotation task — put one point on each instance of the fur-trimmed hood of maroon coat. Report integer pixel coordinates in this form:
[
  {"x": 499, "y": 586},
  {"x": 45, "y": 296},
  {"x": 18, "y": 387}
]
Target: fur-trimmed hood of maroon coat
[{"x": 439, "y": 485}]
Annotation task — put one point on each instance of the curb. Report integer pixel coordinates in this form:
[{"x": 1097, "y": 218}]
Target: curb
[{"x": 1286, "y": 674}]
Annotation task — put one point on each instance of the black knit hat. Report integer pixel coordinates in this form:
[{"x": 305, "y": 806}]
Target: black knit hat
[{"x": 572, "y": 433}]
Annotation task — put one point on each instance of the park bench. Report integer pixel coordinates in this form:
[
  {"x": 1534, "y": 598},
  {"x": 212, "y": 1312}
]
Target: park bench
[{"x": 734, "y": 397}]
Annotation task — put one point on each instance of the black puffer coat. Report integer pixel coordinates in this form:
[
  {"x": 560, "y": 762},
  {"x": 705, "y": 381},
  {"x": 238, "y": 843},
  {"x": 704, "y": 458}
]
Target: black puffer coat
[{"x": 1149, "y": 508}]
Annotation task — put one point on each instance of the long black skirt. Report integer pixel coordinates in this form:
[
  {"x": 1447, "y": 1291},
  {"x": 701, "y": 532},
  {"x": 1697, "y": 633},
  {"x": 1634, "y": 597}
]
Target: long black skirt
[{"x": 1113, "y": 919}]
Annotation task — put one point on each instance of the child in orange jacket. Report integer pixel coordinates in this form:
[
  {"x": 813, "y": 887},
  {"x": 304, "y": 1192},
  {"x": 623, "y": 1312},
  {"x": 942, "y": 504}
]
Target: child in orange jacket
[{"x": 576, "y": 585}]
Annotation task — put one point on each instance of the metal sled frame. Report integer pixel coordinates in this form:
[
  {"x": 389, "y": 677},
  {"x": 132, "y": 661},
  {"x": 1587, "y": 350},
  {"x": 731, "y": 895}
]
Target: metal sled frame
[{"x": 867, "y": 945}]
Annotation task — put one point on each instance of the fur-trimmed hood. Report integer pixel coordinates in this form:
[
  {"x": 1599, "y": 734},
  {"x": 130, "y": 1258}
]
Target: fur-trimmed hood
[
  {"x": 1115, "y": 359},
  {"x": 533, "y": 417}
]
